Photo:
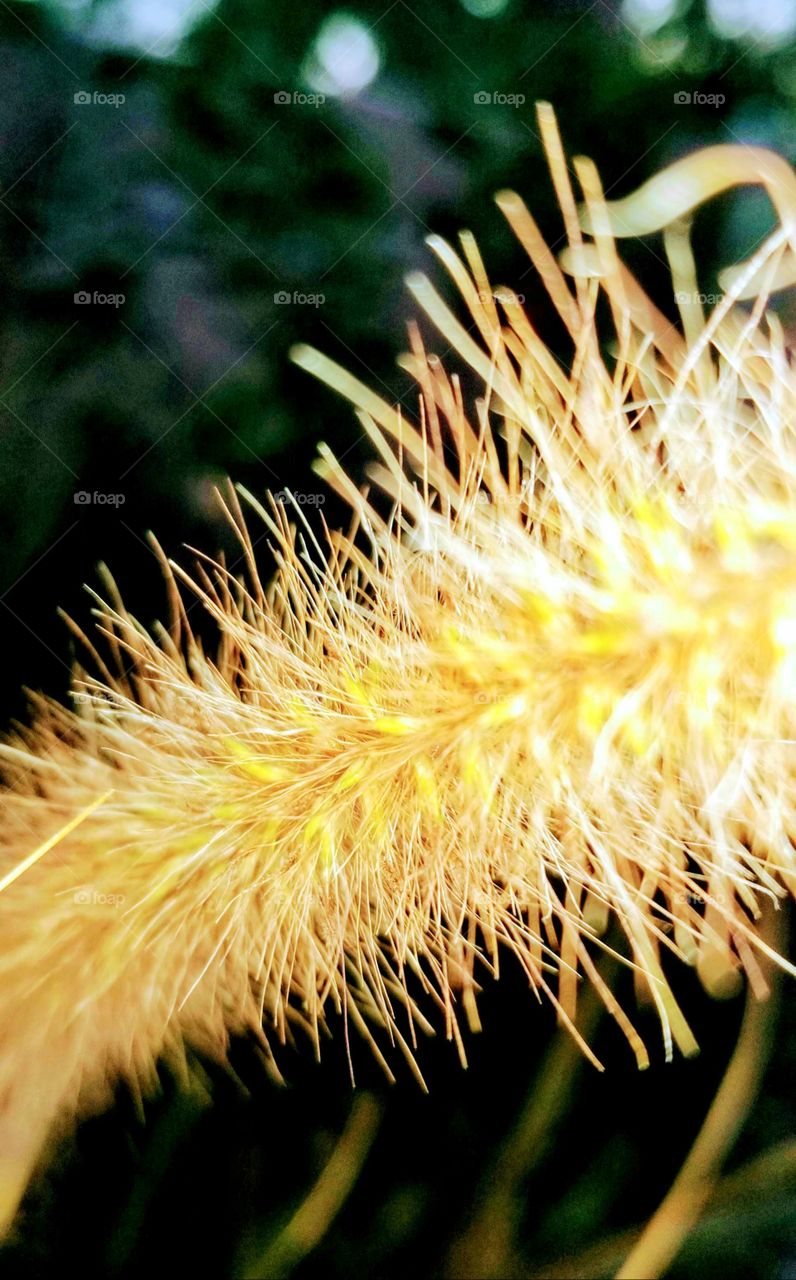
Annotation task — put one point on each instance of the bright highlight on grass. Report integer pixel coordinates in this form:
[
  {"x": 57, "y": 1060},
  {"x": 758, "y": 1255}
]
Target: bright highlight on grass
[{"x": 545, "y": 686}]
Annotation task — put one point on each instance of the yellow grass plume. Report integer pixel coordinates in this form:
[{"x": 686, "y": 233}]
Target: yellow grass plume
[{"x": 549, "y": 683}]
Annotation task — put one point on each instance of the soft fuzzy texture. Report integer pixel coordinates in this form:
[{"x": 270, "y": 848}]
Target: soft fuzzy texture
[{"x": 553, "y": 687}]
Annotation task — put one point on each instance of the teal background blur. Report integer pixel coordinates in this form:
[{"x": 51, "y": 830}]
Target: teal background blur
[{"x": 245, "y": 176}]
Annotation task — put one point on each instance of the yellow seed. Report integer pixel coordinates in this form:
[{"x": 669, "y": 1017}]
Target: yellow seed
[
  {"x": 595, "y": 706},
  {"x": 505, "y": 711},
  {"x": 357, "y": 692},
  {"x": 427, "y": 786},
  {"x": 350, "y": 778},
  {"x": 257, "y": 768},
  {"x": 396, "y": 726}
]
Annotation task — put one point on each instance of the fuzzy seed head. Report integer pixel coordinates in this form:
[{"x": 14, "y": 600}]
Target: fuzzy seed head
[{"x": 546, "y": 686}]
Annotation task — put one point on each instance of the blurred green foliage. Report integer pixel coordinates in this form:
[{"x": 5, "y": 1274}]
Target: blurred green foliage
[{"x": 202, "y": 198}]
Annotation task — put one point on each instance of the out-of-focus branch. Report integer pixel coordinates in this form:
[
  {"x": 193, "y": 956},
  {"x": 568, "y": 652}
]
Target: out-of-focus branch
[
  {"x": 318, "y": 1210},
  {"x": 684, "y": 1203},
  {"x": 762, "y": 1178},
  {"x": 485, "y": 1248}
]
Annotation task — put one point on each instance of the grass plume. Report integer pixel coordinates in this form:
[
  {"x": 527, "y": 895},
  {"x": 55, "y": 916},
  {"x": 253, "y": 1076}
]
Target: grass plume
[{"x": 551, "y": 687}]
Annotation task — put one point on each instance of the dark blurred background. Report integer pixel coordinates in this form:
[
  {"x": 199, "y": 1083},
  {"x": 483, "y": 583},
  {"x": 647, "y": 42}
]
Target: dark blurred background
[{"x": 186, "y": 189}]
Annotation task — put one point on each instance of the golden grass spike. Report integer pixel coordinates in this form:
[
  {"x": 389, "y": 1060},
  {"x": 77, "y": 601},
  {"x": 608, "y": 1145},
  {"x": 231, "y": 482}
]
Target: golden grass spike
[{"x": 497, "y": 714}]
